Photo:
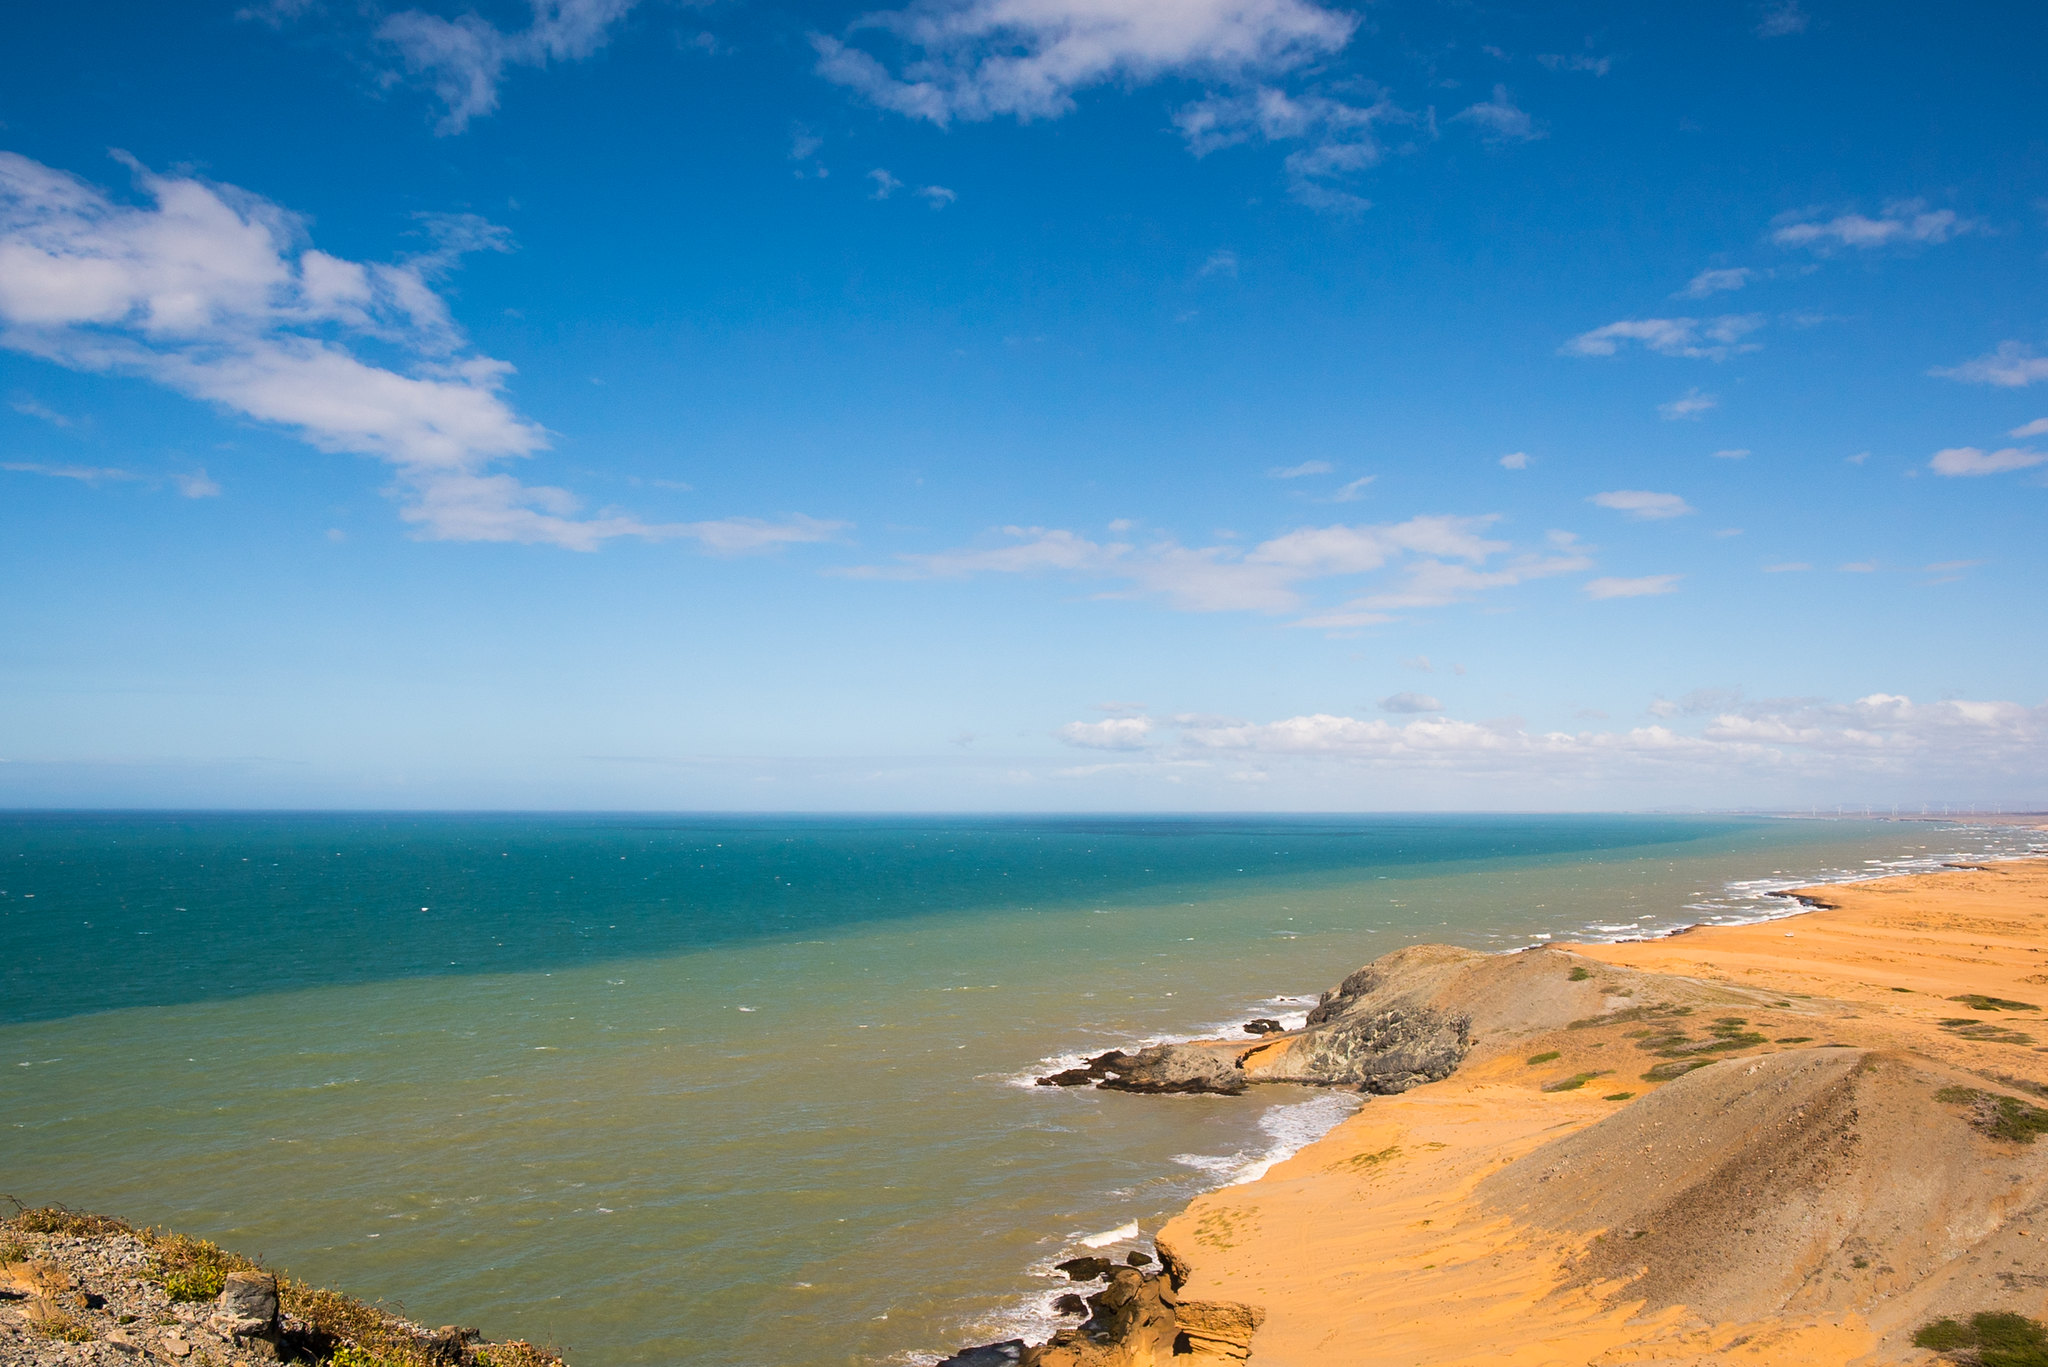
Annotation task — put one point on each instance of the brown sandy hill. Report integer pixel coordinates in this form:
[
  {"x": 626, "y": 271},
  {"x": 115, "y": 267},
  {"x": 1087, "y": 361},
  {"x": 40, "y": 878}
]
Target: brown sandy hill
[{"x": 1788, "y": 1143}]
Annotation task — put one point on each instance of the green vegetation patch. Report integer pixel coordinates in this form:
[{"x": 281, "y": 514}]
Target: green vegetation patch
[
  {"x": 1630, "y": 1014},
  {"x": 67, "y": 1223},
  {"x": 190, "y": 1269},
  {"x": 1572, "y": 1084},
  {"x": 1664, "y": 1072},
  {"x": 1579, "y": 973},
  {"x": 1544, "y": 1057},
  {"x": 1985, "y": 1032},
  {"x": 1794, "y": 1039},
  {"x": 1977, "y": 1001},
  {"x": 1991, "y": 1338},
  {"x": 2001, "y": 1117},
  {"x": 1617, "y": 1096},
  {"x": 1372, "y": 1160}
]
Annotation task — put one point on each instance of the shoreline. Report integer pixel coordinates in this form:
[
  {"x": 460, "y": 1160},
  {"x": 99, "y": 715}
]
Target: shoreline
[{"x": 1262, "y": 1248}]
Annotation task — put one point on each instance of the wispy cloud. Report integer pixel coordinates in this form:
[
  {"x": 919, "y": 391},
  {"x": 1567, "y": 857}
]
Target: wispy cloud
[
  {"x": 2037, "y": 428},
  {"x": 196, "y": 484},
  {"x": 1969, "y": 460},
  {"x": 1642, "y": 504},
  {"x": 1733, "y": 453},
  {"x": 1646, "y": 586},
  {"x": 464, "y": 59},
  {"x": 1714, "y": 339},
  {"x": 983, "y": 59},
  {"x": 1902, "y": 223},
  {"x": 1576, "y": 61},
  {"x": 1116, "y": 733},
  {"x": 2012, "y": 365},
  {"x": 1440, "y": 560},
  {"x": 1307, "y": 467},
  {"x": 885, "y": 184},
  {"x": 1499, "y": 120},
  {"x": 1410, "y": 703},
  {"x": 215, "y": 293},
  {"x": 1222, "y": 261},
  {"x": 1515, "y": 460},
  {"x": 84, "y": 474},
  {"x": 1338, "y": 137},
  {"x": 1782, "y": 19},
  {"x": 1353, "y": 491},
  {"x": 1716, "y": 282},
  {"x": 30, "y": 408},
  {"x": 1688, "y": 406}
]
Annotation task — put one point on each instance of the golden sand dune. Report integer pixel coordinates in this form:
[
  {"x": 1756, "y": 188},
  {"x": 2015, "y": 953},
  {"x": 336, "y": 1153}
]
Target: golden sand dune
[{"x": 1795, "y": 1142}]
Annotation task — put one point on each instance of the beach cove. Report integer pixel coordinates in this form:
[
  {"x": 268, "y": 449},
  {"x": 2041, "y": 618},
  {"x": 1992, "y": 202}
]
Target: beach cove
[{"x": 1802, "y": 1141}]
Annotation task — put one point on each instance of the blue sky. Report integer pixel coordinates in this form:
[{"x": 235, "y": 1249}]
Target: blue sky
[{"x": 1022, "y": 404}]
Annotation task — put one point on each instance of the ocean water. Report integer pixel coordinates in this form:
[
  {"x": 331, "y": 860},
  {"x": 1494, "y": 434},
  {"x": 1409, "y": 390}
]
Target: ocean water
[{"x": 742, "y": 1090}]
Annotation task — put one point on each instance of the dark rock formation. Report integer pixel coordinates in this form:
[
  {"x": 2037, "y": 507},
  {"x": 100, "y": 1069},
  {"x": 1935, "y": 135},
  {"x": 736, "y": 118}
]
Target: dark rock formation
[
  {"x": 1161, "y": 1068},
  {"x": 1175, "y": 1068},
  {"x": 1137, "y": 1259},
  {"x": 1087, "y": 1268},
  {"x": 1069, "y": 1304},
  {"x": 1264, "y": 1025},
  {"x": 1004, "y": 1354}
]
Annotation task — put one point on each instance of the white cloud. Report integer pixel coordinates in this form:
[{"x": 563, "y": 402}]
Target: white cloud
[
  {"x": 1969, "y": 460},
  {"x": 938, "y": 196},
  {"x": 885, "y": 184},
  {"x": 29, "y": 408},
  {"x": 1355, "y": 490},
  {"x": 1902, "y": 222},
  {"x": 1442, "y": 560},
  {"x": 1642, "y": 504},
  {"x": 84, "y": 474},
  {"x": 1716, "y": 282},
  {"x": 464, "y": 59},
  {"x": 196, "y": 484},
  {"x": 1498, "y": 120},
  {"x": 1714, "y": 339},
  {"x": 215, "y": 293},
  {"x": 1648, "y": 586},
  {"x": 1688, "y": 406},
  {"x": 1709, "y": 741},
  {"x": 981, "y": 59},
  {"x": 1781, "y": 19},
  {"x": 1733, "y": 453},
  {"x": 2037, "y": 428},
  {"x": 1410, "y": 703},
  {"x": 1222, "y": 261},
  {"x": 1515, "y": 460},
  {"x": 2011, "y": 366},
  {"x": 1116, "y": 733},
  {"x": 1307, "y": 467},
  {"x": 1339, "y": 138}
]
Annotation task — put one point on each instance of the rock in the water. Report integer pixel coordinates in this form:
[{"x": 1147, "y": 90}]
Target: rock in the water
[
  {"x": 1175, "y": 1068},
  {"x": 1004, "y": 1354},
  {"x": 1094, "y": 1070},
  {"x": 1137, "y": 1259},
  {"x": 1264, "y": 1025},
  {"x": 1085, "y": 1269},
  {"x": 1067, "y": 1303}
]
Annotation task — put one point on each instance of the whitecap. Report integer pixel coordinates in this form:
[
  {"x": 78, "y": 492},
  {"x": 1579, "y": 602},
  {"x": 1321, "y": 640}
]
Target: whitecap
[{"x": 1120, "y": 1234}]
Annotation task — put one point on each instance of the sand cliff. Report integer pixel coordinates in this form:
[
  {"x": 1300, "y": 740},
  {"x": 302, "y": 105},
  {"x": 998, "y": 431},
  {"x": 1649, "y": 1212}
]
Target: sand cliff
[{"x": 1795, "y": 1142}]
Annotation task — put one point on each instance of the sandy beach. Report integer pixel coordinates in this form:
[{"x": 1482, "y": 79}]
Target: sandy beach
[{"x": 1826, "y": 1172}]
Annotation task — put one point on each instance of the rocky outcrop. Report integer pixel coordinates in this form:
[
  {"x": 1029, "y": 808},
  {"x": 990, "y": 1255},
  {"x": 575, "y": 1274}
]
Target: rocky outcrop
[
  {"x": 1162, "y": 1068},
  {"x": 80, "y": 1289}
]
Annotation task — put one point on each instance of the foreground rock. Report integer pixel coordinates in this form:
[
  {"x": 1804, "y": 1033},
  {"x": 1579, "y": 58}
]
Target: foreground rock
[{"x": 87, "y": 1289}]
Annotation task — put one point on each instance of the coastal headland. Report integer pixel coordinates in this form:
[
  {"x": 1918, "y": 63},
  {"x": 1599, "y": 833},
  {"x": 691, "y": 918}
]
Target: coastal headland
[{"x": 1809, "y": 1140}]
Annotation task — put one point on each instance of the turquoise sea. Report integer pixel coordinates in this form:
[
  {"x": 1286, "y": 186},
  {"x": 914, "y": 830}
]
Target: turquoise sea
[{"x": 740, "y": 1090}]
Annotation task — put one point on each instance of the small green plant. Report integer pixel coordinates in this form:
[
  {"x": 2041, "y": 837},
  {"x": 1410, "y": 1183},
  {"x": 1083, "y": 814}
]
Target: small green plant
[
  {"x": 348, "y": 1355},
  {"x": 11, "y": 1252},
  {"x": 1631, "y": 1014},
  {"x": 1579, "y": 973},
  {"x": 192, "y": 1269},
  {"x": 2001, "y": 1117},
  {"x": 1617, "y": 1096},
  {"x": 1572, "y": 1084},
  {"x": 1544, "y": 1057},
  {"x": 1795, "y": 1039},
  {"x": 1977, "y": 1001},
  {"x": 1968, "y": 1027},
  {"x": 53, "y": 1323},
  {"x": 1902, "y": 989},
  {"x": 1664, "y": 1072},
  {"x": 1992, "y": 1338},
  {"x": 1859, "y": 1262}
]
